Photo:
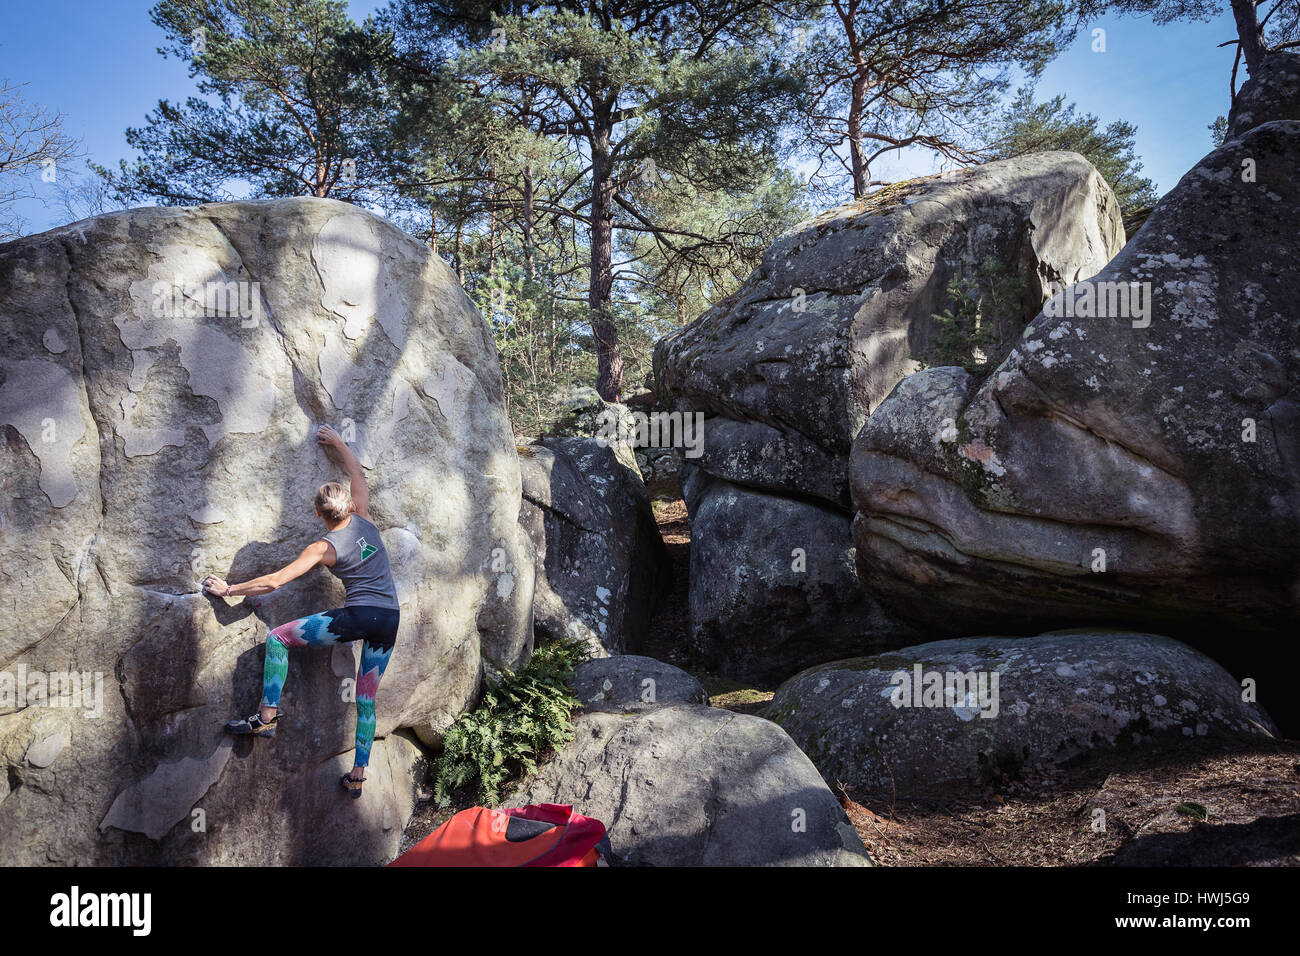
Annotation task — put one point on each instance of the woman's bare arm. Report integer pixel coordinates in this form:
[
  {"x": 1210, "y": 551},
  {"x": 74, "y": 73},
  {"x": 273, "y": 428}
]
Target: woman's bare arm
[
  {"x": 360, "y": 493},
  {"x": 311, "y": 556}
]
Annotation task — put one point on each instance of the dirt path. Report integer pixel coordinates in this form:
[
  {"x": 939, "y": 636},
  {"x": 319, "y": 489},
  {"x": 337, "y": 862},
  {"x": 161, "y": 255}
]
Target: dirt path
[{"x": 669, "y": 637}]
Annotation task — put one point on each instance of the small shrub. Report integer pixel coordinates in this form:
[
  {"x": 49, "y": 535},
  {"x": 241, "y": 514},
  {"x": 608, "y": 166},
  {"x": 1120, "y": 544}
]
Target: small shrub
[
  {"x": 521, "y": 717},
  {"x": 983, "y": 323},
  {"x": 1194, "y": 810}
]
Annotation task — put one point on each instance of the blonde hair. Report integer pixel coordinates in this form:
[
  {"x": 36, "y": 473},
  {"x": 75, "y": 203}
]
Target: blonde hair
[{"x": 333, "y": 501}]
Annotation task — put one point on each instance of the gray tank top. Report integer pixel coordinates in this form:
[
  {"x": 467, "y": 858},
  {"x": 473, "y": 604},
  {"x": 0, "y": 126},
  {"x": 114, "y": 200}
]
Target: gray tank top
[{"x": 361, "y": 563}]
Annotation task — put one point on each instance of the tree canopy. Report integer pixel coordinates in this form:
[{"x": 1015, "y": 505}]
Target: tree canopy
[
  {"x": 1029, "y": 127},
  {"x": 283, "y": 110},
  {"x": 596, "y": 172}
]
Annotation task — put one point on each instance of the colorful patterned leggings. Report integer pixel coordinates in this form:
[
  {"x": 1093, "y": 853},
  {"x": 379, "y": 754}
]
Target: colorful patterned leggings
[{"x": 376, "y": 626}]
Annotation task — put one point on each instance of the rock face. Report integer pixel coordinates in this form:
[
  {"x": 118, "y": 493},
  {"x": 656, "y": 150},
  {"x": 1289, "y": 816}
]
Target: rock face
[
  {"x": 1134, "y": 461},
  {"x": 683, "y": 784},
  {"x": 162, "y": 374},
  {"x": 631, "y": 683},
  {"x": 773, "y": 585},
  {"x": 1269, "y": 94},
  {"x": 973, "y": 710},
  {"x": 788, "y": 369},
  {"x": 601, "y": 562},
  {"x": 584, "y": 414},
  {"x": 658, "y": 463},
  {"x": 841, "y": 306}
]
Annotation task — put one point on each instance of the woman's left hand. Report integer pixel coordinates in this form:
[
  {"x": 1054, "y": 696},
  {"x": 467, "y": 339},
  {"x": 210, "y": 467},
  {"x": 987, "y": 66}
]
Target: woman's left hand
[{"x": 328, "y": 436}]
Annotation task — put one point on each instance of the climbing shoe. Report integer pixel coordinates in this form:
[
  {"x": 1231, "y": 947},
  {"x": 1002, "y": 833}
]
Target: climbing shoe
[
  {"x": 254, "y": 725},
  {"x": 353, "y": 787}
]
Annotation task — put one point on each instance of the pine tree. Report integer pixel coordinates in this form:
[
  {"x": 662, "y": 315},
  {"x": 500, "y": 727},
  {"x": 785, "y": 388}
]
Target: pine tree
[
  {"x": 1029, "y": 127},
  {"x": 284, "y": 108},
  {"x": 668, "y": 95},
  {"x": 887, "y": 76}
]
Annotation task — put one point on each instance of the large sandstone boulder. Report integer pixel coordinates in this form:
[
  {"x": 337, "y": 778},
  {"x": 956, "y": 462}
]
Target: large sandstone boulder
[
  {"x": 156, "y": 432},
  {"x": 788, "y": 369},
  {"x": 631, "y": 683},
  {"x": 841, "y": 306},
  {"x": 1117, "y": 468},
  {"x": 601, "y": 563},
  {"x": 951, "y": 717},
  {"x": 1269, "y": 94},
  {"x": 582, "y": 413},
  {"x": 773, "y": 584},
  {"x": 683, "y": 784}
]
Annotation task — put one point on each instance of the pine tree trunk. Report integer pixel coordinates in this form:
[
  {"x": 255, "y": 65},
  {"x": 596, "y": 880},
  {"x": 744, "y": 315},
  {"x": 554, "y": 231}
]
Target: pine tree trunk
[
  {"x": 492, "y": 229},
  {"x": 1248, "y": 31},
  {"x": 600, "y": 296},
  {"x": 528, "y": 222},
  {"x": 857, "y": 99},
  {"x": 855, "y": 138}
]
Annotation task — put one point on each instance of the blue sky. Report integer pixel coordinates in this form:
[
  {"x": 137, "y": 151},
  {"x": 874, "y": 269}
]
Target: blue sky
[
  {"x": 95, "y": 61},
  {"x": 1169, "y": 81}
]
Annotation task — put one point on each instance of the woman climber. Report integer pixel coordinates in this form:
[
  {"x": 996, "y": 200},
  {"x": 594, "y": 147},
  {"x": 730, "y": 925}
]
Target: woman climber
[{"x": 353, "y": 550}]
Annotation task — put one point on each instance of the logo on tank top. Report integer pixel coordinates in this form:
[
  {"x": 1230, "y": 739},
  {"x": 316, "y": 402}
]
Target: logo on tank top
[{"x": 366, "y": 549}]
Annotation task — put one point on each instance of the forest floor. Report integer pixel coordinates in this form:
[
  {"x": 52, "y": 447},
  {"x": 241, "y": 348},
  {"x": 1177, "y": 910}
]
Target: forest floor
[
  {"x": 1193, "y": 804},
  {"x": 1190, "y": 805}
]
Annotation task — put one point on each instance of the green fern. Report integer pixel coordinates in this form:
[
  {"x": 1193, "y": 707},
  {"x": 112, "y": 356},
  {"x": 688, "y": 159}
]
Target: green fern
[{"x": 520, "y": 718}]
